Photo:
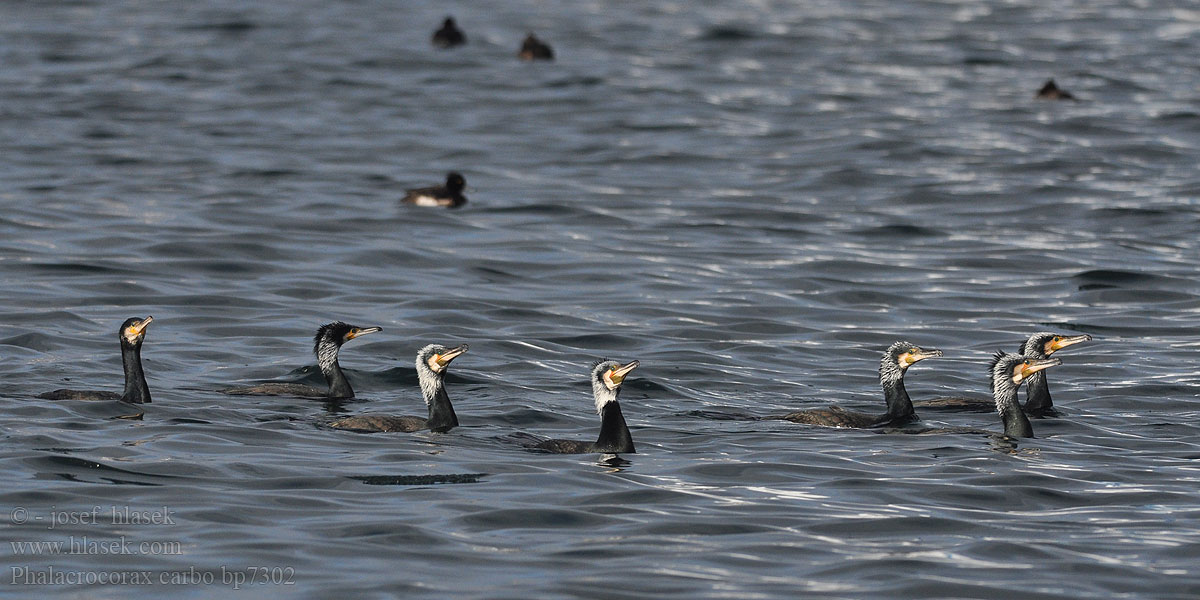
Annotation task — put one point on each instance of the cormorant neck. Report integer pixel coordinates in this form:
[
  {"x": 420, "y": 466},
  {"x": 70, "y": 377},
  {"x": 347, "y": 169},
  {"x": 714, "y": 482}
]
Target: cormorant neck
[
  {"x": 136, "y": 390},
  {"x": 339, "y": 387},
  {"x": 900, "y": 407},
  {"x": 441, "y": 412},
  {"x": 1037, "y": 394},
  {"x": 1016, "y": 424},
  {"x": 614, "y": 434},
  {"x": 327, "y": 360}
]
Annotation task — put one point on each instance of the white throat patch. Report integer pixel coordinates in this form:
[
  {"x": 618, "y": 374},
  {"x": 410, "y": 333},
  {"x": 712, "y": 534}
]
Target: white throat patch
[{"x": 327, "y": 356}]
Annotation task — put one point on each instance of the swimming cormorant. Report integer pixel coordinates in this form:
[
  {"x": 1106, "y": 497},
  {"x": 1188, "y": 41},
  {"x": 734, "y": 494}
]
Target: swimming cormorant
[
  {"x": 534, "y": 49},
  {"x": 1008, "y": 371},
  {"x": 131, "y": 334},
  {"x": 1037, "y": 397},
  {"x": 896, "y": 360},
  {"x": 432, "y": 361},
  {"x": 1051, "y": 91},
  {"x": 449, "y": 195},
  {"x": 449, "y": 35},
  {"x": 607, "y": 377},
  {"x": 326, "y": 345}
]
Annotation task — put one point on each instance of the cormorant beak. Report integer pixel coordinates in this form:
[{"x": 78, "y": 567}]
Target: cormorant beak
[
  {"x": 360, "y": 332},
  {"x": 138, "y": 329},
  {"x": 1033, "y": 365},
  {"x": 444, "y": 359},
  {"x": 1058, "y": 343},
  {"x": 918, "y": 354},
  {"x": 617, "y": 375}
]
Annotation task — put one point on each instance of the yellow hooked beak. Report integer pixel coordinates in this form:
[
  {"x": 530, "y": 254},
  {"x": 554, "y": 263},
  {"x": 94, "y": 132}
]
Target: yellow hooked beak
[
  {"x": 918, "y": 354},
  {"x": 616, "y": 375},
  {"x": 1060, "y": 342},
  {"x": 360, "y": 332},
  {"x": 1032, "y": 365},
  {"x": 444, "y": 359}
]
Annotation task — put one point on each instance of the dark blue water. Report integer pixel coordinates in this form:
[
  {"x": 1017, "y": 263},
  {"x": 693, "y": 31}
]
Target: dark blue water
[{"x": 752, "y": 199}]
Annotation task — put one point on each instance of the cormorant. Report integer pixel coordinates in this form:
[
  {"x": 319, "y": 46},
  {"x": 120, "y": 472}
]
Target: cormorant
[
  {"x": 896, "y": 360},
  {"x": 449, "y": 195},
  {"x": 432, "y": 361},
  {"x": 1008, "y": 371},
  {"x": 534, "y": 49},
  {"x": 1037, "y": 397},
  {"x": 449, "y": 35},
  {"x": 131, "y": 334},
  {"x": 607, "y": 377},
  {"x": 326, "y": 345}
]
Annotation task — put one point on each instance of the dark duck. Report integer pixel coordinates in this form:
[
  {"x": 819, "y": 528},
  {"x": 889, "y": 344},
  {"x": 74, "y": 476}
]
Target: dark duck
[
  {"x": 1037, "y": 398},
  {"x": 614, "y": 438},
  {"x": 327, "y": 344},
  {"x": 449, "y": 35},
  {"x": 432, "y": 362},
  {"x": 534, "y": 49},
  {"x": 448, "y": 196},
  {"x": 131, "y": 334},
  {"x": 895, "y": 362},
  {"x": 1051, "y": 91}
]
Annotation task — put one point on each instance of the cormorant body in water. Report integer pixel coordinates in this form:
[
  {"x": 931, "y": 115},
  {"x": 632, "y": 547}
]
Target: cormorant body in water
[
  {"x": 449, "y": 195},
  {"x": 1051, "y": 91},
  {"x": 449, "y": 35},
  {"x": 607, "y": 377},
  {"x": 432, "y": 361},
  {"x": 1037, "y": 396},
  {"x": 1008, "y": 371},
  {"x": 534, "y": 49},
  {"x": 326, "y": 345},
  {"x": 131, "y": 334},
  {"x": 896, "y": 360}
]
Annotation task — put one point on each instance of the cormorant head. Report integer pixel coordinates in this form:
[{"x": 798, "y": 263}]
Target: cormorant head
[
  {"x": 900, "y": 356},
  {"x": 1045, "y": 343},
  {"x": 1011, "y": 370},
  {"x": 436, "y": 358},
  {"x": 432, "y": 361},
  {"x": 338, "y": 333},
  {"x": 607, "y": 377},
  {"x": 133, "y": 331},
  {"x": 329, "y": 340},
  {"x": 448, "y": 23},
  {"x": 455, "y": 182}
]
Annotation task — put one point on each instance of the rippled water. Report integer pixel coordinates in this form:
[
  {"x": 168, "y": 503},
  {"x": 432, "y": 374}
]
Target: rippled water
[{"x": 753, "y": 199}]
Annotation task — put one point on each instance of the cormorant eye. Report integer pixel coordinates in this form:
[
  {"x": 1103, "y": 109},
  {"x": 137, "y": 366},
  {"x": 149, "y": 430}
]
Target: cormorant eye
[{"x": 914, "y": 350}]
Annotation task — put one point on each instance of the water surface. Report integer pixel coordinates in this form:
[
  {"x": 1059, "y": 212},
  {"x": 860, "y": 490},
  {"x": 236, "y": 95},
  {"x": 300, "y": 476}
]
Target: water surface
[{"x": 752, "y": 199}]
